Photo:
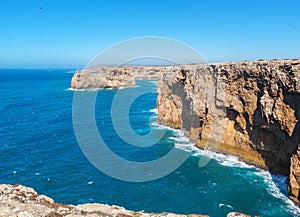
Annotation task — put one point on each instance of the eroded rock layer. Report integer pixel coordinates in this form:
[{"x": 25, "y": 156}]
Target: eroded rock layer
[
  {"x": 247, "y": 109},
  {"x": 114, "y": 77}
]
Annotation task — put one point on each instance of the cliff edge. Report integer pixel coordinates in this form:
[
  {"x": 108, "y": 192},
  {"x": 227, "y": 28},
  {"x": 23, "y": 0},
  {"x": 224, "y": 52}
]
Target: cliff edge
[
  {"x": 114, "y": 77},
  {"x": 247, "y": 109}
]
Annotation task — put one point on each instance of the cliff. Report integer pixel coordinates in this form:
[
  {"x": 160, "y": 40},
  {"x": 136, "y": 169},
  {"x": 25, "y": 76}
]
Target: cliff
[
  {"x": 114, "y": 77},
  {"x": 102, "y": 78},
  {"x": 247, "y": 109},
  {"x": 18, "y": 201}
]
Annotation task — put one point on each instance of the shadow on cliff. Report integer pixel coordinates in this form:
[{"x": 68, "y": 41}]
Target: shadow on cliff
[{"x": 270, "y": 141}]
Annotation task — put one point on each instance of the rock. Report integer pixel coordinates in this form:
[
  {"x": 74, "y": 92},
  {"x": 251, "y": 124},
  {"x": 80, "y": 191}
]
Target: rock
[
  {"x": 247, "y": 109},
  {"x": 237, "y": 214},
  {"x": 114, "y": 77},
  {"x": 294, "y": 184},
  {"x": 102, "y": 78},
  {"x": 19, "y": 201}
]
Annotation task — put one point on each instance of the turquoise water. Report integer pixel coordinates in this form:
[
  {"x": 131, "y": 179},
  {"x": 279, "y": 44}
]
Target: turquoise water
[{"x": 39, "y": 149}]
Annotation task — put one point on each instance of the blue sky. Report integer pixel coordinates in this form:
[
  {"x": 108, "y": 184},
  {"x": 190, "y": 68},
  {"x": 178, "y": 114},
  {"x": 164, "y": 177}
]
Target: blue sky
[{"x": 70, "y": 33}]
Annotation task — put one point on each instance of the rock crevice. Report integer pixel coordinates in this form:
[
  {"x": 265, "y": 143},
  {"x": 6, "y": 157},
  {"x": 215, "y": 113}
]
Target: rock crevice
[{"x": 248, "y": 109}]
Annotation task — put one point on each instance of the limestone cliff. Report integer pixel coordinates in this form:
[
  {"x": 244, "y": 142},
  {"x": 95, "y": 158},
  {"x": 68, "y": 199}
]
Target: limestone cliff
[
  {"x": 247, "y": 109},
  {"x": 114, "y": 77},
  {"x": 102, "y": 77}
]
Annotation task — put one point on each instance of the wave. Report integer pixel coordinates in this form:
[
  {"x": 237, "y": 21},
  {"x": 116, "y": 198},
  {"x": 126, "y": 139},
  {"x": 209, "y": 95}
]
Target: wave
[
  {"x": 97, "y": 89},
  {"x": 154, "y": 110},
  {"x": 225, "y": 205},
  {"x": 182, "y": 142},
  {"x": 277, "y": 187},
  {"x": 224, "y": 160},
  {"x": 163, "y": 127},
  {"x": 120, "y": 88},
  {"x": 72, "y": 89},
  {"x": 231, "y": 161},
  {"x": 276, "y": 184}
]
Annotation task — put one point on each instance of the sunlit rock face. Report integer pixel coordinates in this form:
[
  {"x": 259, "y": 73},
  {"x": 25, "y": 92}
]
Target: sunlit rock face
[{"x": 248, "y": 109}]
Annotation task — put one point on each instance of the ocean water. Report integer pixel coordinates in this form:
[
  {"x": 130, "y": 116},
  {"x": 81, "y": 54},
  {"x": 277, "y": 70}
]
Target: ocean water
[{"x": 38, "y": 148}]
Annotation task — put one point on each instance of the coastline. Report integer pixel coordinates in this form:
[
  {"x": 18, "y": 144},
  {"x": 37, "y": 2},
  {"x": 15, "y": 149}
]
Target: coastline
[
  {"x": 261, "y": 121},
  {"x": 255, "y": 118}
]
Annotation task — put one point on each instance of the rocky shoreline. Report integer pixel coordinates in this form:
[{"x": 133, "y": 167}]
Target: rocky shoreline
[
  {"x": 114, "y": 77},
  {"x": 247, "y": 109},
  {"x": 21, "y": 201}
]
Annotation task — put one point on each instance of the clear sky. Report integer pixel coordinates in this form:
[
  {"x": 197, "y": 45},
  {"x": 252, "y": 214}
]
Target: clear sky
[{"x": 65, "y": 33}]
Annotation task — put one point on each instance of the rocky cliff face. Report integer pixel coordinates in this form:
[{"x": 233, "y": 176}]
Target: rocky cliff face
[
  {"x": 102, "y": 77},
  {"x": 21, "y": 201},
  {"x": 114, "y": 77},
  {"x": 248, "y": 109}
]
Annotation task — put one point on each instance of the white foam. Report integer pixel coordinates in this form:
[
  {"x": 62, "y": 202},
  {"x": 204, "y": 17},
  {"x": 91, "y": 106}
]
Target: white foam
[
  {"x": 91, "y": 182},
  {"x": 272, "y": 181},
  {"x": 97, "y": 89},
  {"x": 72, "y": 89},
  {"x": 226, "y": 205},
  {"x": 275, "y": 183},
  {"x": 224, "y": 160},
  {"x": 163, "y": 127},
  {"x": 89, "y": 89},
  {"x": 71, "y": 72},
  {"x": 181, "y": 139},
  {"x": 154, "y": 110},
  {"x": 232, "y": 161},
  {"x": 183, "y": 143}
]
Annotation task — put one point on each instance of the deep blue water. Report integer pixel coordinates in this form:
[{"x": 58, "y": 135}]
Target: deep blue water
[{"x": 39, "y": 149}]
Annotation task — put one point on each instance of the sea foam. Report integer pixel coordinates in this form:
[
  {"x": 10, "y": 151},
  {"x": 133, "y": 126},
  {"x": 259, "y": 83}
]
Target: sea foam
[
  {"x": 154, "y": 110},
  {"x": 277, "y": 186}
]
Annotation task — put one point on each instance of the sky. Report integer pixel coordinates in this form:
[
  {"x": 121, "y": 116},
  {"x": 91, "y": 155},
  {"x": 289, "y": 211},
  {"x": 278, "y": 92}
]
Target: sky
[{"x": 68, "y": 34}]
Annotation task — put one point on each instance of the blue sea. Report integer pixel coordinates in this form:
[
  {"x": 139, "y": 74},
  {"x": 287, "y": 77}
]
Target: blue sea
[{"x": 38, "y": 148}]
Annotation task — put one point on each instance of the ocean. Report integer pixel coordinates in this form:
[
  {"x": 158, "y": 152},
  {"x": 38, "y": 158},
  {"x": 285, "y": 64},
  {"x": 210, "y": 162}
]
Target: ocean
[{"x": 39, "y": 149}]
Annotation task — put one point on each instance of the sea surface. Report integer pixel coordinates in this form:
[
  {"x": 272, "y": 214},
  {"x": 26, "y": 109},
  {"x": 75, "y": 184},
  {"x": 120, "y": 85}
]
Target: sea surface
[{"x": 38, "y": 148}]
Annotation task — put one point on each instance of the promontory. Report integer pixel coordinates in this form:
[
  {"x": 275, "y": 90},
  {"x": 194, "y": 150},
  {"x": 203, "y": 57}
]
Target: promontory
[{"x": 248, "y": 109}]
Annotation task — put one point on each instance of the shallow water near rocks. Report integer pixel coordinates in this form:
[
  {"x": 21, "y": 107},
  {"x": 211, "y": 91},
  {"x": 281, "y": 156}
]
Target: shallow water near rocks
[{"x": 39, "y": 149}]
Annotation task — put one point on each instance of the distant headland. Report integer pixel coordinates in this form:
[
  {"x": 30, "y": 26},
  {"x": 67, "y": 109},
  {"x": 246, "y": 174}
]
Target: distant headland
[{"x": 261, "y": 106}]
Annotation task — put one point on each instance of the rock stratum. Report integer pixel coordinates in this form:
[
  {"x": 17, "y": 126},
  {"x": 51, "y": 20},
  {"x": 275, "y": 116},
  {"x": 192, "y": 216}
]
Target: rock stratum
[
  {"x": 247, "y": 109},
  {"x": 113, "y": 77}
]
